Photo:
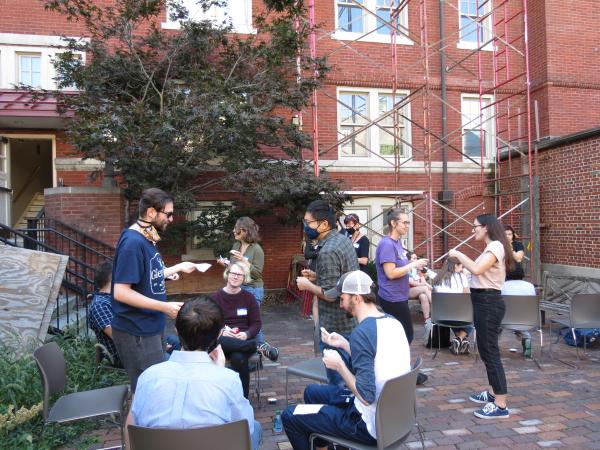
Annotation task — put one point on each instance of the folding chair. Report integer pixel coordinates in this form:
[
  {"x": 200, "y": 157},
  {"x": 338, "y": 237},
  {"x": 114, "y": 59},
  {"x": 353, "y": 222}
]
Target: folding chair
[
  {"x": 523, "y": 314},
  {"x": 395, "y": 416},
  {"x": 313, "y": 369},
  {"x": 451, "y": 310},
  {"x": 234, "y": 435},
  {"x": 79, "y": 405},
  {"x": 584, "y": 314},
  {"x": 255, "y": 363}
]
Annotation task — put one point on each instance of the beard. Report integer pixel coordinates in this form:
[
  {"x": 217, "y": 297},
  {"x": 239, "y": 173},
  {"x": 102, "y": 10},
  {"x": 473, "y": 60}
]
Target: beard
[{"x": 349, "y": 315}]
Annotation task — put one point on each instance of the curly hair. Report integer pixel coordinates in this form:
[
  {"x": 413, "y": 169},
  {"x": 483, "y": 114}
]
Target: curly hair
[{"x": 250, "y": 227}]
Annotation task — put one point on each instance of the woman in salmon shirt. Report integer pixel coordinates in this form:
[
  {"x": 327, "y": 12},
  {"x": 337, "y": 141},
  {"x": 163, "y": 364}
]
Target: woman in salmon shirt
[{"x": 488, "y": 273}]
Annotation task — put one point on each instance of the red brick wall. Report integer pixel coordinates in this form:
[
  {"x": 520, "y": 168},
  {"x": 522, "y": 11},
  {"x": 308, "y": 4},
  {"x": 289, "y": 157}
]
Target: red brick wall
[
  {"x": 569, "y": 207},
  {"x": 95, "y": 211}
]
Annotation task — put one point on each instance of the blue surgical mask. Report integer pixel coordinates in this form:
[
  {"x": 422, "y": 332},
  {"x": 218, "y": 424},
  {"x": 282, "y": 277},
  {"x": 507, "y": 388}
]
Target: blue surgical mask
[{"x": 311, "y": 233}]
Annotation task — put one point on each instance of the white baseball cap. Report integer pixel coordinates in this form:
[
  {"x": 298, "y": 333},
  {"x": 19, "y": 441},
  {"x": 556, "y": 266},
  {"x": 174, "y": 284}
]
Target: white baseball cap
[{"x": 355, "y": 282}]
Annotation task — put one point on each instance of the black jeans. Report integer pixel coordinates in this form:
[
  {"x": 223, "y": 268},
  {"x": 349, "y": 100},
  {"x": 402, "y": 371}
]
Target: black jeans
[
  {"x": 488, "y": 311},
  {"x": 238, "y": 352},
  {"x": 401, "y": 312}
]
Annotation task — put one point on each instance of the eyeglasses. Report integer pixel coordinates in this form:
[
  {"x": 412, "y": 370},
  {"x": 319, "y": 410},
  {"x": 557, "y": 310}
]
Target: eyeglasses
[
  {"x": 306, "y": 222},
  {"x": 237, "y": 274},
  {"x": 238, "y": 231},
  {"x": 168, "y": 214},
  {"x": 476, "y": 226}
]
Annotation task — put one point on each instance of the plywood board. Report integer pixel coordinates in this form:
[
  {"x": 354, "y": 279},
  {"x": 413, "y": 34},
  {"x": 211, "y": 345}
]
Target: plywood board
[{"x": 29, "y": 286}]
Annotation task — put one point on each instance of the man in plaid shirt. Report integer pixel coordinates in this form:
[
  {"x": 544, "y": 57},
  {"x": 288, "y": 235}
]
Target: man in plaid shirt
[
  {"x": 101, "y": 314},
  {"x": 335, "y": 257}
]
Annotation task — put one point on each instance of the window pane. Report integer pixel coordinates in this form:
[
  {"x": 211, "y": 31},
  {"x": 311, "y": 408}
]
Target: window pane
[
  {"x": 468, "y": 30},
  {"x": 468, "y": 7},
  {"x": 471, "y": 143},
  {"x": 382, "y": 27},
  {"x": 350, "y": 18},
  {"x": 353, "y": 107},
  {"x": 386, "y": 141},
  {"x": 386, "y": 137},
  {"x": 35, "y": 63},
  {"x": 356, "y": 146}
]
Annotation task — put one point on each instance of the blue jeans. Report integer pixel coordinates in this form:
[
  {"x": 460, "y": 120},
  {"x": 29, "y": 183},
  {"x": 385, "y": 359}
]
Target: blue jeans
[
  {"x": 256, "y": 435},
  {"x": 339, "y": 417},
  {"x": 488, "y": 311},
  {"x": 259, "y": 295},
  {"x": 333, "y": 376}
]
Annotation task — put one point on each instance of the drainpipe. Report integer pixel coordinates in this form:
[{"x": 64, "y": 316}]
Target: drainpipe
[{"x": 445, "y": 195}]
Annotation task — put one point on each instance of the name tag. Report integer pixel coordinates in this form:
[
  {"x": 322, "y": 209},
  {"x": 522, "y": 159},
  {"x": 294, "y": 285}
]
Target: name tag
[
  {"x": 356, "y": 245},
  {"x": 242, "y": 312}
]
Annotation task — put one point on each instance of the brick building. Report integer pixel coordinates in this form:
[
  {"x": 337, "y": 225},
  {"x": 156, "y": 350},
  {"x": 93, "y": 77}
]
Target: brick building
[{"x": 355, "y": 145}]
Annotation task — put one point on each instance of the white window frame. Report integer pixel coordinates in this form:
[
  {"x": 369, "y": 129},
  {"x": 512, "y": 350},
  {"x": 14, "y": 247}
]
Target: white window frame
[
  {"x": 373, "y": 132},
  {"x": 19, "y": 62},
  {"x": 203, "y": 253},
  {"x": 370, "y": 24},
  {"x": 485, "y": 123},
  {"x": 13, "y": 45},
  {"x": 486, "y": 27},
  {"x": 241, "y": 19}
]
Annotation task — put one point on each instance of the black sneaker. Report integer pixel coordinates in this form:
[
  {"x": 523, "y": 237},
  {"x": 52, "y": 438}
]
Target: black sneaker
[
  {"x": 421, "y": 379},
  {"x": 268, "y": 351}
]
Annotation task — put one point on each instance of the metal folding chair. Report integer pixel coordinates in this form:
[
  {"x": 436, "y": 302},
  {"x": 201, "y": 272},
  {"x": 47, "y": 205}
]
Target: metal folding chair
[
  {"x": 395, "y": 417},
  {"x": 451, "y": 310},
  {"x": 234, "y": 435},
  {"x": 523, "y": 314},
  {"x": 79, "y": 405}
]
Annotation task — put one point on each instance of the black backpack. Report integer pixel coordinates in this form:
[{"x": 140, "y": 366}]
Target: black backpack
[{"x": 444, "y": 337}]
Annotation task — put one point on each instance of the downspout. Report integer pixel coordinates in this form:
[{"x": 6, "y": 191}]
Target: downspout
[{"x": 445, "y": 196}]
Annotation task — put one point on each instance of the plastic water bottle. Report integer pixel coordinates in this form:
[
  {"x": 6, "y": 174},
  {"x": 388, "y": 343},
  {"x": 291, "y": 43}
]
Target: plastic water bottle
[{"x": 277, "y": 424}]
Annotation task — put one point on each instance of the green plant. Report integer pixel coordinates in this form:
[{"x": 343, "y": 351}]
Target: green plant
[{"x": 21, "y": 423}]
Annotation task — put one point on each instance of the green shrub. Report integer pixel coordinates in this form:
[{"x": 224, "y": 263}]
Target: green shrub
[{"x": 21, "y": 423}]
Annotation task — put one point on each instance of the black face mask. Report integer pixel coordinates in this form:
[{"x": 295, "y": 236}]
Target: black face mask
[{"x": 350, "y": 230}]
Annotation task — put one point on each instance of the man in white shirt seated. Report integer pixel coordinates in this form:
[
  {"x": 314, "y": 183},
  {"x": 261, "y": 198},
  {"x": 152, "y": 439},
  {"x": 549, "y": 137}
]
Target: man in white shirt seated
[
  {"x": 193, "y": 389},
  {"x": 378, "y": 350},
  {"x": 516, "y": 285}
]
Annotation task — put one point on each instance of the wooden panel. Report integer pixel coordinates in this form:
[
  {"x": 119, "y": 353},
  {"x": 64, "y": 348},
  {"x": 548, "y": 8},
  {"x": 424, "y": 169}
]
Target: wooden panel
[{"x": 29, "y": 287}]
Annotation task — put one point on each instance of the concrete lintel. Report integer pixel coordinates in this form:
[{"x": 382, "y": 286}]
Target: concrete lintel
[
  {"x": 573, "y": 271},
  {"x": 82, "y": 190}
]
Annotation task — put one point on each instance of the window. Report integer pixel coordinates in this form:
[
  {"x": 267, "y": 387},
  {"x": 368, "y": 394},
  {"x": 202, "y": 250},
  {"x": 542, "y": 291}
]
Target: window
[
  {"x": 237, "y": 13},
  {"x": 369, "y": 17},
  {"x": 474, "y": 124},
  {"x": 357, "y": 108},
  {"x": 29, "y": 69},
  {"x": 469, "y": 26},
  {"x": 204, "y": 238}
]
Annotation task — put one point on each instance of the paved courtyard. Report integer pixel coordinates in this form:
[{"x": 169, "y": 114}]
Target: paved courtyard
[{"x": 558, "y": 406}]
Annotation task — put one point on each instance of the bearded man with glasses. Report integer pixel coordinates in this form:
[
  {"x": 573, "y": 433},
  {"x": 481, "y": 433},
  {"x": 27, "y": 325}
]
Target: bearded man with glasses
[{"x": 139, "y": 296}]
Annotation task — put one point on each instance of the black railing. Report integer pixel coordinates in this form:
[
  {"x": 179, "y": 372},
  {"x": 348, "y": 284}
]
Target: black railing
[{"x": 53, "y": 236}]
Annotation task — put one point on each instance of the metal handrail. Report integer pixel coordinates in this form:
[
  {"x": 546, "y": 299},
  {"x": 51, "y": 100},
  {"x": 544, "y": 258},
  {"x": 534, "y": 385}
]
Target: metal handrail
[
  {"x": 81, "y": 235},
  {"x": 70, "y": 239}
]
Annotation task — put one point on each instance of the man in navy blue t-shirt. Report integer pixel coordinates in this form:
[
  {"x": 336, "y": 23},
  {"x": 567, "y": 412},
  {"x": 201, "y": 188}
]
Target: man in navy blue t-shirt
[{"x": 138, "y": 286}]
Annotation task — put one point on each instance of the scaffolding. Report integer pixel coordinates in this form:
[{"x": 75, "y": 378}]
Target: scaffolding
[{"x": 498, "y": 62}]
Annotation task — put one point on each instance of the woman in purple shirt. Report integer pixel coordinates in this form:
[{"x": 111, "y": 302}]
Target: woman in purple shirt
[{"x": 393, "y": 268}]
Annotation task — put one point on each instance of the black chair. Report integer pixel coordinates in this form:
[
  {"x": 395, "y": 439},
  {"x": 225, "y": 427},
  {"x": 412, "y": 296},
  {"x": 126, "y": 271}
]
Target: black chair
[
  {"x": 395, "y": 416},
  {"x": 234, "y": 435},
  {"x": 255, "y": 362},
  {"x": 584, "y": 314},
  {"x": 523, "y": 314},
  {"x": 79, "y": 405},
  {"x": 451, "y": 310}
]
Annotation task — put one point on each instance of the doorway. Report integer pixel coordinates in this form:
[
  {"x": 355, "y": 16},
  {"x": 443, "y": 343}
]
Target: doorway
[{"x": 30, "y": 171}]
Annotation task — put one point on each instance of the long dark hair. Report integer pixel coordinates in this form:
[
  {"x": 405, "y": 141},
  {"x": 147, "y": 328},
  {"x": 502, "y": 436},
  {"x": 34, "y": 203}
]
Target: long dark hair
[
  {"x": 512, "y": 230},
  {"x": 446, "y": 272},
  {"x": 496, "y": 233}
]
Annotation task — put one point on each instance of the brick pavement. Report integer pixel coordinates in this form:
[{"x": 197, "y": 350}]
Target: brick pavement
[{"x": 554, "y": 407}]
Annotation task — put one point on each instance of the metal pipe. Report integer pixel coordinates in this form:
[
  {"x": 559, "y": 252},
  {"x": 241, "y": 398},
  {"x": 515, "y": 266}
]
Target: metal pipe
[
  {"x": 445, "y": 185},
  {"x": 313, "y": 55}
]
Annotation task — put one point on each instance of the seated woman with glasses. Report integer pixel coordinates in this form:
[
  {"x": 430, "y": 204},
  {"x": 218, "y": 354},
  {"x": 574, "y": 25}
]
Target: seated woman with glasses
[{"x": 242, "y": 321}]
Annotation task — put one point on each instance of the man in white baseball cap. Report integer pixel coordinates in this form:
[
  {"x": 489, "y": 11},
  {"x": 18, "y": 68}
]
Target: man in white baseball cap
[{"x": 378, "y": 351}]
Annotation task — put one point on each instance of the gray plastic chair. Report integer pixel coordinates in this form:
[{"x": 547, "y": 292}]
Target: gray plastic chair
[
  {"x": 523, "y": 314},
  {"x": 584, "y": 314},
  {"x": 450, "y": 310},
  {"x": 395, "y": 416},
  {"x": 313, "y": 369},
  {"x": 234, "y": 435},
  {"x": 79, "y": 405}
]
